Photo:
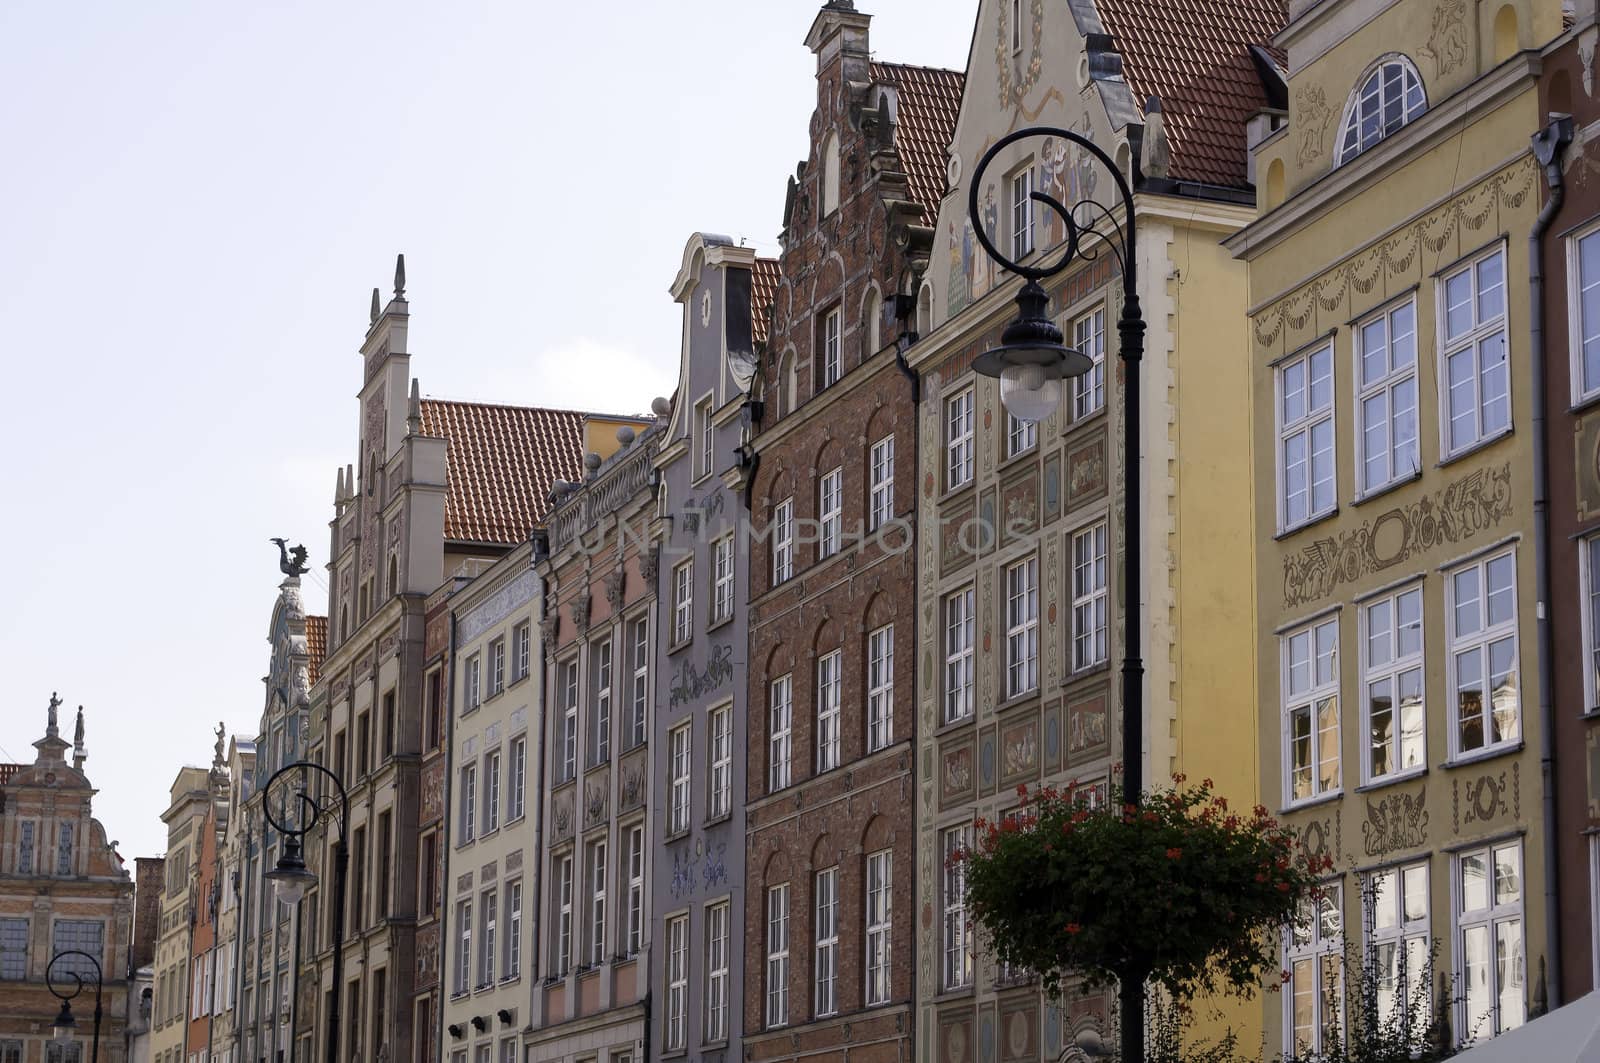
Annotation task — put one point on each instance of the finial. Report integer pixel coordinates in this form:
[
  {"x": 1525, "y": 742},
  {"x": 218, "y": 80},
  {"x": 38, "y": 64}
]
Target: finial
[
  {"x": 414, "y": 409},
  {"x": 338, "y": 485},
  {"x": 79, "y": 754},
  {"x": 51, "y": 728},
  {"x": 660, "y": 406},
  {"x": 377, "y": 308},
  {"x": 592, "y": 461},
  {"x": 625, "y": 434},
  {"x": 400, "y": 276}
]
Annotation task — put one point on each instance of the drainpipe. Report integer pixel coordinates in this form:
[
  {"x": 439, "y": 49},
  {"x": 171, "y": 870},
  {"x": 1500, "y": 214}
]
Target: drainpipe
[
  {"x": 1548, "y": 145},
  {"x": 447, "y": 714}
]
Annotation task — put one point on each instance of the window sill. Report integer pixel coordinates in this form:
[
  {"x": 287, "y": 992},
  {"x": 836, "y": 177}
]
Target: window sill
[
  {"x": 1386, "y": 488},
  {"x": 952, "y": 725},
  {"x": 468, "y": 710},
  {"x": 1074, "y": 421},
  {"x": 713, "y": 1046},
  {"x": 675, "y": 836},
  {"x": 1463, "y": 760},
  {"x": 520, "y": 679},
  {"x": 1391, "y": 780},
  {"x": 1312, "y": 802},
  {"x": 951, "y": 493},
  {"x": 1590, "y": 714},
  {"x": 1006, "y": 464},
  {"x": 715, "y": 624},
  {"x": 1309, "y": 522},
  {"x": 1585, "y": 403},
  {"x": 963, "y": 992},
  {"x": 721, "y": 817},
  {"x": 676, "y": 646},
  {"x": 1483, "y": 444},
  {"x": 1015, "y": 700},
  {"x": 1087, "y": 672},
  {"x": 511, "y": 978}
]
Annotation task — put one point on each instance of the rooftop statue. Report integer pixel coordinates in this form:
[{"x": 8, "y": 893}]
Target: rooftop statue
[{"x": 291, "y": 562}]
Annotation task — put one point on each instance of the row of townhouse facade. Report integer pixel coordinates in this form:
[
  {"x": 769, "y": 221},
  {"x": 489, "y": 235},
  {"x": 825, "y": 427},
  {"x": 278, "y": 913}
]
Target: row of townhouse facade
[{"x": 658, "y": 731}]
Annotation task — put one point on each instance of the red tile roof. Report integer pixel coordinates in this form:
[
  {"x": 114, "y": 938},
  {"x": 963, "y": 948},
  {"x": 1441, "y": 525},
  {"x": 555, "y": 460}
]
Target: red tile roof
[
  {"x": 929, "y": 102},
  {"x": 501, "y": 463},
  {"x": 1195, "y": 55},
  {"x": 316, "y": 643},
  {"x": 764, "y": 280}
]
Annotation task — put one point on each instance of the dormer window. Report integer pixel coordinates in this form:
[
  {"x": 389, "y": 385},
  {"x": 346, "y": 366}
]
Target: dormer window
[{"x": 1387, "y": 98}]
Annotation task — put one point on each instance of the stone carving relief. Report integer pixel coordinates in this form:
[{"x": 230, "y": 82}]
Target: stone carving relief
[
  {"x": 632, "y": 795},
  {"x": 614, "y": 586},
  {"x": 1474, "y": 503},
  {"x": 1447, "y": 43},
  {"x": 1485, "y": 798},
  {"x": 561, "y": 817},
  {"x": 580, "y": 607},
  {"x": 1395, "y": 822},
  {"x": 1313, "y": 119},
  {"x": 649, "y": 563},
  {"x": 595, "y": 798}
]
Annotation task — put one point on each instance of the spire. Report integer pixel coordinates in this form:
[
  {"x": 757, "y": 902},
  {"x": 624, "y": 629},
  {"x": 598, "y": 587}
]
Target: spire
[
  {"x": 338, "y": 485},
  {"x": 79, "y": 754},
  {"x": 377, "y": 308},
  {"x": 414, "y": 410},
  {"x": 400, "y": 276}
]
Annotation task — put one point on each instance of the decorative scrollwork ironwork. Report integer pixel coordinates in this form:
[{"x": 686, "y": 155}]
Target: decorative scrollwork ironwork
[
  {"x": 313, "y": 807},
  {"x": 77, "y": 979}
]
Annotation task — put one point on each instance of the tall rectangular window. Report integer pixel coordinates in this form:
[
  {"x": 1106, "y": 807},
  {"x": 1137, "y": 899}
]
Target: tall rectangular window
[
  {"x": 879, "y": 925},
  {"x": 1386, "y": 403},
  {"x": 639, "y": 639},
  {"x": 1020, "y": 435},
  {"x": 1315, "y": 990},
  {"x": 564, "y": 914},
  {"x": 387, "y": 738},
  {"x": 13, "y": 949},
  {"x": 472, "y": 695},
  {"x": 880, "y": 501},
  {"x": 777, "y": 1011},
  {"x": 677, "y": 1032},
  {"x": 1089, "y": 598},
  {"x": 704, "y": 434},
  {"x": 781, "y": 716},
  {"x": 518, "y": 802},
  {"x": 880, "y": 688},
  {"x": 1472, "y": 325},
  {"x": 1305, "y": 438},
  {"x": 600, "y": 711},
  {"x": 385, "y": 856},
  {"x": 830, "y": 513},
  {"x": 1393, "y": 681},
  {"x": 958, "y": 671},
  {"x": 826, "y": 965},
  {"x": 683, "y": 602},
  {"x": 719, "y": 799},
  {"x": 491, "y": 792},
  {"x": 782, "y": 541},
  {"x": 597, "y": 903},
  {"x": 486, "y": 948},
  {"x": 469, "y": 802},
  {"x": 635, "y": 890},
  {"x": 1022, "y": 627},
  {"x": 1089, "y": 390},
  {"x": 568, "y": 751},
  {"x": 497, "y": 666},
  {"x": 428, "y": 887},
  {"x": 958, "y": 440},
  {"x": 522, "y": 643},
  {"x": 64, "y": 832},
  {"x": 463, "y": 981},
  {"x": 831, "y": 340},
  {"x": 1489, "y": 943},
  {"x": 1485, "y": 694},
  {"x": 1583, "y": 308},
  {"x": 513, "y": 961},
  {"x": 828, "y": 682},
  {"x": 716, "y": 1022},
  {"x": 1310, "y": 669},
  {"x": 1021, "y": 213},
  {"x": 956, "y": 932},
  {"x": 678, "y": 795},
  {"x": 1398, "y": 943},
  {"x": 722, "y": 579}
]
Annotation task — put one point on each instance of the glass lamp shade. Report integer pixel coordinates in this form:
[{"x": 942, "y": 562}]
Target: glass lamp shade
[
  {"x": 1029, "y": 393},
  {"x": 65, "y": 1025},
  {"x": 291, "y": 877}
]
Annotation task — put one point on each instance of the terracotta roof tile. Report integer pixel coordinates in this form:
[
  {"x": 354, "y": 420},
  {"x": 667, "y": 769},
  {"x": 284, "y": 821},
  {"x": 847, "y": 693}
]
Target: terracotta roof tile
[
  {"x": 7, "y": 771},
  {"x": 500, "y": 465},
  {"x": 929, "y": 103},
  {"x": 316, "y": 644},
  {"x": 764, "y": 280},
  {"x": 1195, "y": 55}
]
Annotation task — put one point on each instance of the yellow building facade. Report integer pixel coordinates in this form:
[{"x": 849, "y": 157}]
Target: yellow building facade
[{"x": 1392, "y": 448}]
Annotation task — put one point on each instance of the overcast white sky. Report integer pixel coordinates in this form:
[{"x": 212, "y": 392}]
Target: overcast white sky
[{"x": 198, "y": 199}]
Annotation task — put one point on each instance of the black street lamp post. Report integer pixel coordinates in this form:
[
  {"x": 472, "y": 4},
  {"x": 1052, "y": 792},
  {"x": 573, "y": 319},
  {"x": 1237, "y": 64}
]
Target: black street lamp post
[
  {"x": 292, "y": 878},
  {"x": 1031, "y": 362},
  {"x": 65, "y": 1024}
]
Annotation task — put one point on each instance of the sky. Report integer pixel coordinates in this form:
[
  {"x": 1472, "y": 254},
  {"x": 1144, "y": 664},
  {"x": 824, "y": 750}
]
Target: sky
[{"x": 198, "y": 199}]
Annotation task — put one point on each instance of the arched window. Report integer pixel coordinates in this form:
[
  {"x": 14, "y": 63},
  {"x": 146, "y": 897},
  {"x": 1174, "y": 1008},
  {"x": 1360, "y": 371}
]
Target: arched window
[
  {"x": 830, "y": 175},
  {"x": 872, "y": 318},
  {"x": 1387, "y": 98}
]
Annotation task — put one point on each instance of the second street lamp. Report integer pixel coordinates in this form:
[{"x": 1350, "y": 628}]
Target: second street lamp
[
  {"x": 65, "y": 1026},
  {"x": 291, "y": 877}
]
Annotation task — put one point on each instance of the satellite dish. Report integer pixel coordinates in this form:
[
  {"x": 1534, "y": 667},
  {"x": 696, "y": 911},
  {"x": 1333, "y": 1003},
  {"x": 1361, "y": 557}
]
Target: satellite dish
[{"x": 742, "y": 367}]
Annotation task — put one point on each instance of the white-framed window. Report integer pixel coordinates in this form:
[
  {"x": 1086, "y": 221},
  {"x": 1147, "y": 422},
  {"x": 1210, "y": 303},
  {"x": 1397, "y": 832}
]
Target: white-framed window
[
  {"x": 829, "y": 667},
  {"x": 635, "y": 890},
  {"x": 958, "y": 440},
  {"x": 1021, "y": 185},
  {"x": 719, "y": 800},
  {"x": 486, "y": 947},
  {"x": 1489, "y": 944},
  {"x": 832, "y": 362},
  {"x": 1022, "y": 627},
  {"x": 782, "y": 541},
  {"x": 1090, "y": 645},
  {"x": 1387, "y": 98},
  {"x": 1020, "y": 435},
  {"x": 1398, "y": 944},
  {"x": 780, "y": 708},
  {"x": 678, "y": 803},
  {"x": 704, "y": 435},
  {"x": 1089, "y": 390},
  {"x": 880, "y": 919},
  {"x": 880, "y": 507},
  {"x": 469, "y": 801},
  {"x": 491, "y": 792},
  {"x": 880, "y": 688},
  {"x": 830, "y": 513},
  {"x": 1475, "y": 363},
  {"x": 597, "y": 903},
  {"x": 568, "y": 672},
  {"x": 958, "y": 640},
  {"x": 677, "y": 982},
  {"x": 956, "y": 932},
  {"x": 1393, "y": 683},
  {"x": 497, "y": 666},
  {"x": 777, "y": 1010},
  {"x": 1306, "y": 478},
  {"x": 463, "y": 980},
  {"x": 1583, "y": 312},
  {"x": 639, "y": 640},
  {"x": 1386, "y": 398},
  {"x": 1310, "y": 670},
  {"x": 472, "y": 696},
  {"x": 522, "y": 642},
  {"x": 513, "y": 962},
  {"x": 564, "y": 914},
  {"x": 1485, "y": 687},
  {"x": 600, "y": 715},
  {"x": 1314, "y": 994},
  {"x": 826, "y": 965},
  {"x": 518, "y": 801},
  {"x": 508, "y": 1050},
  {"x": 722, "y": 579},
  {"x": 1589, "y": 572},
  {"x": 683, "y": 602},
  {"x": 716, "y": 1021}
]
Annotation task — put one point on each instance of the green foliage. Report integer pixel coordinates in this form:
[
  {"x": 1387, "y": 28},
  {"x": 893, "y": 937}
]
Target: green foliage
[
  {"x": 1178, "y": 889},
  {"x": 1414, "y": 1028}
]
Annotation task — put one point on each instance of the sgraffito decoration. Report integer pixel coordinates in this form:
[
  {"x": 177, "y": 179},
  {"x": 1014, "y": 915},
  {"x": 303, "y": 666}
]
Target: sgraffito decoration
[
  {"x": 1447, "y": 43},
  {"x": 1395, "y": 822},
  {"x": 1313, "y": 119},
  {"x": 690, "y": 683}
]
